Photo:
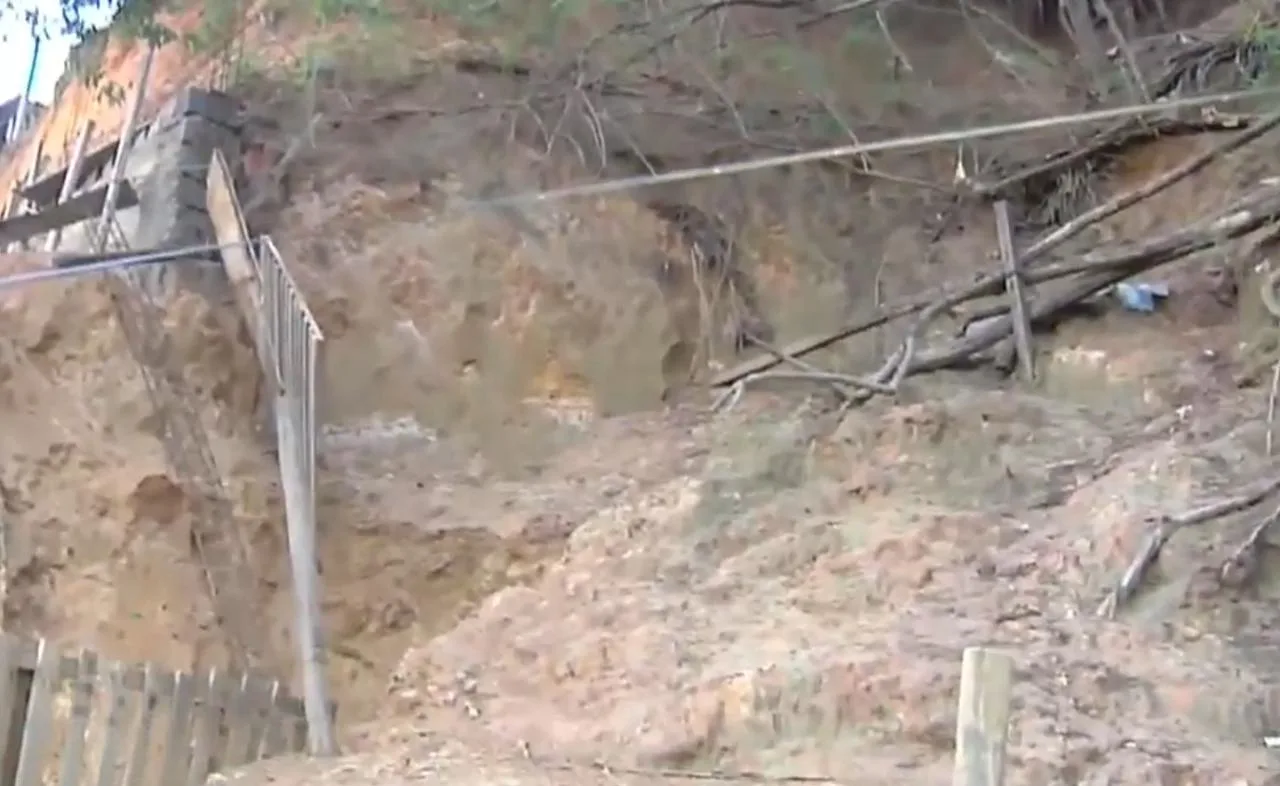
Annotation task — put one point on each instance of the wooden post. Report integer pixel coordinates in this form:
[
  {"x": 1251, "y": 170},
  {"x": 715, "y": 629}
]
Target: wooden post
[
  {"x": 17, "y": 205},
  {"x": 24, "y": 101},
  {"x": 982, "y": 723},
  {"x": 206, "y": 722},
  {"x": 33, "y": 174},
  {"x": 15, "y": 692},
  {"x": 177, "y": 752},
  {"x": 260, "y": 718},
  {"x": 1018, "y": 300},
  {"x": 298, "y": 443},
  {"x": 120, "y": 701},
  {"x": 82, "y": 693},
  {"x": 122, "y": 152},
  {"x": 237, "y": 257},
  {"x": 135, "y": 773},
  {"x": 39, "y": 718},
  {"x": 70, "y": 180}
]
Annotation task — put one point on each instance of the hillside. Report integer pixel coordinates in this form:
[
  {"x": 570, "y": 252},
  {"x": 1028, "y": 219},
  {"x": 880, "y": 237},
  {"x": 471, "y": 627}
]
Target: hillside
[{"x": 542, "y": 547}]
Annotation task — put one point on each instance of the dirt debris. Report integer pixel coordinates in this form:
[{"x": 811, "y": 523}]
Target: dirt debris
[
  {"x": 533, "y": 562},
  {"x": 758, "y": 619},
  {"x": 757, "y": 612}
]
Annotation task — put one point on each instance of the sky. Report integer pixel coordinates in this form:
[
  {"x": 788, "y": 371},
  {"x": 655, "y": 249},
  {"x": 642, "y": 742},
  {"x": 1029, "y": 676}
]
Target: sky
[{"x": 16, "y": 45}]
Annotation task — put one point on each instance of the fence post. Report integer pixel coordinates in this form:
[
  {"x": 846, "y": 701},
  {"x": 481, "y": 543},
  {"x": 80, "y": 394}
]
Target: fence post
[
  {"x": 178, "y": 742},
  {"x": 982, "y": 723},
  {"x": 125, "y": 148},
  {"x": 1022, "y": 337},
  {"x": 116, "y": 730},
  {"x": 70, "y": 180},
  {"x": 135, "y": 773},
  {"x": 15, "y": 692},
  {"x": 293, "y": 338},
  {"x": 19, "y": 122},
  {"x": 83, "y": 688},
  {"x": 39, "y": 715}
]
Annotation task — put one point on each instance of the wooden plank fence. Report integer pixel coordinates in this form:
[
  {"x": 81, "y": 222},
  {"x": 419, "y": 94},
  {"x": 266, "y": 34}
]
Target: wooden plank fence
[{"x": 67, "y": 721}]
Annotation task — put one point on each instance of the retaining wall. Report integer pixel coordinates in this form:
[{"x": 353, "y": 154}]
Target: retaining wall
[{"x": 168, "y": 168}]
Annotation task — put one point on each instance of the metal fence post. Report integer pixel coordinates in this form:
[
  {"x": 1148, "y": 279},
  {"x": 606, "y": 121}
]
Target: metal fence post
[{"x": 292, "y": 339}]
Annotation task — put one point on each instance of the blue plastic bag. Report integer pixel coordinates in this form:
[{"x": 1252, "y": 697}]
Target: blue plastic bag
[{"x": 1141, "y": 297}]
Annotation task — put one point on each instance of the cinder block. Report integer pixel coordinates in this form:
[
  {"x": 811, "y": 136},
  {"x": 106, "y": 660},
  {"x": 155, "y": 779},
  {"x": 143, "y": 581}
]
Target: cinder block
[{"x": 213, "y": 105}]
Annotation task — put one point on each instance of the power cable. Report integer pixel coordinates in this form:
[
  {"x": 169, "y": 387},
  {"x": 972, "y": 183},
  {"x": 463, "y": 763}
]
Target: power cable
[
  {"x": 120, "y": 262},
  {"x": 910, "y": 142}
]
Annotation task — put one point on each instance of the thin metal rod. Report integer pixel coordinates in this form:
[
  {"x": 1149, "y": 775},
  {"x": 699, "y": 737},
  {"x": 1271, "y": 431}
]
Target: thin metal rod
[
  {"x": 172, "y": 254},
  {"x": 70, "y": 180},
  {"x": 911, "y": 142},
  {"x": 43, "y": 275},
  {"x": 126, "y": 146},
  {"x": 24, "y": 102},
  {"x": 18, "y": 204},
  {"x": 266, "y": 245},
  {"x": 293, "y": 341}
]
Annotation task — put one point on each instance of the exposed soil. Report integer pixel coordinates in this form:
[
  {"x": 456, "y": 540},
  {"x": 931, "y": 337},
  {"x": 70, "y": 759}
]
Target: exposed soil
[{"x": 541, "y": 551}]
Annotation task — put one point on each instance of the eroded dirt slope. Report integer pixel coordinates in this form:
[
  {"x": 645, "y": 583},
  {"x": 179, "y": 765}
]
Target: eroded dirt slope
[
  {"x": 511, "y": 582},
  {"x": 798, "y": 609},
  {"x": 779, "y": 602}
]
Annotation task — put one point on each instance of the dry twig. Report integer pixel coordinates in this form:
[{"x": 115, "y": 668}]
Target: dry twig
[
  {"x": 1241, "y": 567},
  {"x": 1095, "y": 272},
  {"x": 1271, "y": 407},
  {"x": 1110, "y": 141},
  {"x": 1121, "y": 202},
  {"x": 1164, "y": 528},
  {"x": 992, "y": 284}
]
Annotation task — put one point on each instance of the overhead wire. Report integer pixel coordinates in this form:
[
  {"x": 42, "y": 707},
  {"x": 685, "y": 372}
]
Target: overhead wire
[
  {"x": 122, "y": 262},
  {"x": 909, "y": 142}
]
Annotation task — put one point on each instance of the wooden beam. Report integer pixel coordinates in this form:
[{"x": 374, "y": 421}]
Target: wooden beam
[
  {"x": 237, "y": 257},
  {"x": 1023, "y": 347},
  {"x": 38, "y": 723},
  {"x": 45, "y": 191},
  {"x": 70, "y": 180},
  {"x": 17, "y": 204},
  {"x": 15, "y": 692},
  {"x": 982, "y": 723},
  {"x": 79, "y": 208},
  {"x": 111, "y": 204}
]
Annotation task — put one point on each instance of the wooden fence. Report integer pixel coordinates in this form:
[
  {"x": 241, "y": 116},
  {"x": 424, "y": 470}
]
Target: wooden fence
[{"x": 66, "y": 721}]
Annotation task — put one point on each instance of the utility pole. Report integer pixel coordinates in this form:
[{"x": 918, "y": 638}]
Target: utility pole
[{"x": 24, "y": 103}]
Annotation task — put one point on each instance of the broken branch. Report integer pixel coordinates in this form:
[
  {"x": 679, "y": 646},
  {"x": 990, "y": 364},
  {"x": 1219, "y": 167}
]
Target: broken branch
[
  {"x": 1164, "y": 528},
  {"x": 1017, "y": 298},
  {"x": 992, "y": 284}
]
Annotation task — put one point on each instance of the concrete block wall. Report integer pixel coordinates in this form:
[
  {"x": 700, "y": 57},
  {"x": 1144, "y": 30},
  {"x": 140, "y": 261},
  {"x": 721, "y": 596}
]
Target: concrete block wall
[{"x": 168, "y": 168}]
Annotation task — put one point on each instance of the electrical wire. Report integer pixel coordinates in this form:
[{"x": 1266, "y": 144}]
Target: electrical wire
[
  {"x": 911, "y": 142},
  {"x": 161, "y": 257}
]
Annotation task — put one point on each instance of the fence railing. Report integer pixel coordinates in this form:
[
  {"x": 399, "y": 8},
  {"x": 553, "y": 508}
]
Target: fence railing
[
  {"x": 86, "y": 720},
  {"x": 288, "y": 341},
  {"x": 292, "y": 338}
]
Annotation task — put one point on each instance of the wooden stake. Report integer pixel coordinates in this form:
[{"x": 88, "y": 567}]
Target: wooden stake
[
  {"x": 120, "y": 164},
  {"x": 982, "y": 724},
  {"x": 1013, "y": 284},
  {"x": 70, "y": 180}
]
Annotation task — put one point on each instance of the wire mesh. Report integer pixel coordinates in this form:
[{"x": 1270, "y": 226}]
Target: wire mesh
[{"x": 215, "y": 538}]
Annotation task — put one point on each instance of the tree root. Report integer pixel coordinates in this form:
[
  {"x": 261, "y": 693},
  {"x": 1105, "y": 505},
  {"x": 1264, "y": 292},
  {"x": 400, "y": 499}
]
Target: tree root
[
  {"x": 1234, "y": 572},
  {"x": 1090, "y": 274}
]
